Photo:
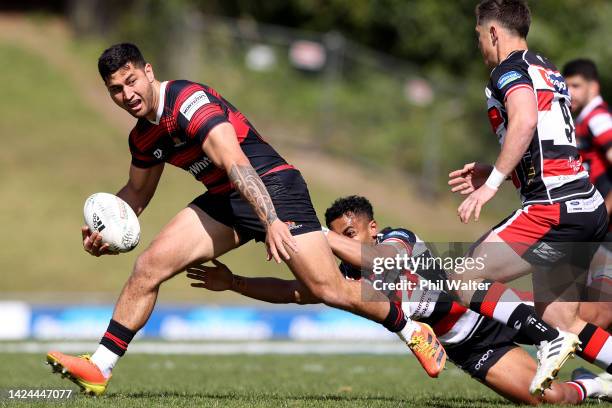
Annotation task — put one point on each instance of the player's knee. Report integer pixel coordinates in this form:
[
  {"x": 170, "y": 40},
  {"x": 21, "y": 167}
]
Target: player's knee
[
  {"x": 148, "y": 270},
  {"x": 329, "y": 294}
]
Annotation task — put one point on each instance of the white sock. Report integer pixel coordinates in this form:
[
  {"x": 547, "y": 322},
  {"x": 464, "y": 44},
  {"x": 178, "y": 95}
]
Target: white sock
[
  {"x": 592, "y": 386},
  {"x": 406, "y": 333},
  {"x": 105, "y": 360}
]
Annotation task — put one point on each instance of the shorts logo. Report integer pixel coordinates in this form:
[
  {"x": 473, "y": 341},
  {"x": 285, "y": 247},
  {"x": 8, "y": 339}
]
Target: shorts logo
[
  {"x": 483, "y": 359},
  {"x": 507, "y": 78},
  {"x": 292, "y": 225},
  {"x": 548, "y": 253},
  {"x": 193, "y": 103}
]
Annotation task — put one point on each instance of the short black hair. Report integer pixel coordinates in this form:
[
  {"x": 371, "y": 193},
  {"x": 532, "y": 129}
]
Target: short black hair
[
  {"x": 512, "y": 14},
  {"x": 117, "y": 56},
  {"x": 354, "y": 204},
  {"x": 584, "y": 67}
]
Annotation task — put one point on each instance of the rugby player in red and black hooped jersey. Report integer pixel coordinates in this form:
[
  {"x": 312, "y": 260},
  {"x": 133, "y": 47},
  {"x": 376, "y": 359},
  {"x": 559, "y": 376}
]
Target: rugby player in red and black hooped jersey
[
  {"x": 529, "y": 109},
  {"x": 252, "y": 194},
  {"x": 594, "y": 142},
  {"x": 593, "y": 124},
  {"x": 484, "y": 348}
]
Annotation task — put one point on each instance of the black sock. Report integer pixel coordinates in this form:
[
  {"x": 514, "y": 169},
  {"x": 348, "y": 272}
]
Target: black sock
[
  {"x": 527, "y": 322},
  {"x": 395, "y": 320},
  {"x": 117, "y": 338}
]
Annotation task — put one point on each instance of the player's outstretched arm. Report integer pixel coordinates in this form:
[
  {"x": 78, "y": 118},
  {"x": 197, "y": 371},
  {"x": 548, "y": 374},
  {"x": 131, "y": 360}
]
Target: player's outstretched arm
[
  {"x": 272, "y": 290},
  {"x": 469, "y": 178},
  {"x": 356, "y": 253},
  {"x": 221, "y": 146}
]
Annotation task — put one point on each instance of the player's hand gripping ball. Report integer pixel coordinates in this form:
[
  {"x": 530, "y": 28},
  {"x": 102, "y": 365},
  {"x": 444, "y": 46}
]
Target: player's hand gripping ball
[{"x": 114, "y": 219}]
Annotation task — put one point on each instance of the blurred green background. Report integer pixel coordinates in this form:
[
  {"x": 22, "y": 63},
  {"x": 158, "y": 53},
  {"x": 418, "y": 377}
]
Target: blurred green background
[{"x": 397, "y": 103}]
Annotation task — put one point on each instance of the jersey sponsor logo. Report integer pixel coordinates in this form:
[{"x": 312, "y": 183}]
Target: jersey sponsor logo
[
  {"x": 158, "y": 153},
  {"x": 554, "y": 80},
  {"x": 508, "y": 77},
  {"x": 584, "y": 205},
  {"x": 193, "y": 103},
  {"x": 198, "y": 167},
  {"x": 483, "y": 359}
]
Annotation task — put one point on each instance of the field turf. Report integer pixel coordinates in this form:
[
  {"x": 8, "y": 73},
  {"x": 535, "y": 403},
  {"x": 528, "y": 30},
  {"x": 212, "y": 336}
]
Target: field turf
[{"x": 260, "y": 381}]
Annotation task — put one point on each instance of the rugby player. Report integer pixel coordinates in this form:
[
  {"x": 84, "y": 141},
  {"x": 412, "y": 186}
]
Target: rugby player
[
  {"x": 594, "y": 142},
  {"x": 252, "y": 193},
  {"x": 529, "y": 109},
  {"x": 485, "y": 349},
  {"x": 593, "y": 124}
]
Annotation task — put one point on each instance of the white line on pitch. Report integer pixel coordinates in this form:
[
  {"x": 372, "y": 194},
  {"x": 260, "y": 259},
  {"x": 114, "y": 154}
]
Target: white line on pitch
[{"x": 276, "y": 347}]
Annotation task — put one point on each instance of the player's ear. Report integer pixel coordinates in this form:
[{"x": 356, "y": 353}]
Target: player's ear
[
  {"x": 493, "y": 34},
  {"x": 373, "y": 228},
  {"x": 594, "y": 88},
  {"x": 148, "y": 70}
]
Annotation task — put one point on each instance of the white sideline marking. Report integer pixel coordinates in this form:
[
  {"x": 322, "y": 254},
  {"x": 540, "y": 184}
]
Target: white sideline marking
[{"x": 272, "y": 347}]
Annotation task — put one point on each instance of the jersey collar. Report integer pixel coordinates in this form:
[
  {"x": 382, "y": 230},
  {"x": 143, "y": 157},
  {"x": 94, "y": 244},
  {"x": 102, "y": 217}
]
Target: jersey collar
[
  {"x": 596, "y": 101},
  {"x": 160, "y": 107}
]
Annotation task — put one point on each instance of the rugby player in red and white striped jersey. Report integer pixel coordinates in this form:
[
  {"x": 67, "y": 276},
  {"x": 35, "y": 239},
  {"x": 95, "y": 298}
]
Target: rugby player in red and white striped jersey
[
  {"x": 529, "y": 109},
  {"x": 485, "y": 349}
]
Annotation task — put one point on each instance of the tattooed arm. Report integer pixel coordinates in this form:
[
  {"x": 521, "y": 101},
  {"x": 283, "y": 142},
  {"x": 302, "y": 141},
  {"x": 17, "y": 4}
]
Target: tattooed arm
[
  {"x": 247, "y": 182},
  {"x": 221, "y": 146}
]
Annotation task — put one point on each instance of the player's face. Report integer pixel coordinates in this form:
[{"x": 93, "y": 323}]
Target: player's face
[
  {"x": 485, "y": 44},
  {"x": 132, "y": 89},
  {"x": 579, "y": 91},
  {"x": 355, "y": 226}
]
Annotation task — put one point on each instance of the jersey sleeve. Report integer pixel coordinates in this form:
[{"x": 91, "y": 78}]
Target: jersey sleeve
[
  {"x": 139, "y": 158},
  {"x": 199, "y": 113},
  {"x": 401, "y": 238},
  {"x": 507, "y": 78},
  {"x": 600, "y": 126}
]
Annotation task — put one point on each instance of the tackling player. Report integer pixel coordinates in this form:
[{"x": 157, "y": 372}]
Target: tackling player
[
  {"x": 253, "y": 193},
  {"x": 485, "y": 349},
  {"x": 529, "y": 110}
]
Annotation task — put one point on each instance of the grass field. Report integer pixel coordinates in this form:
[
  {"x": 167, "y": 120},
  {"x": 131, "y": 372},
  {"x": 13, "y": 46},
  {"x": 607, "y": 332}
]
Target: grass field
[{"x": 263, "y": 380}]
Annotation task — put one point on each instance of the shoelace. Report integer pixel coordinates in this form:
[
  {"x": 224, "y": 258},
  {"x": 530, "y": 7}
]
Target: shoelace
[{"x": 419, "y": 344}]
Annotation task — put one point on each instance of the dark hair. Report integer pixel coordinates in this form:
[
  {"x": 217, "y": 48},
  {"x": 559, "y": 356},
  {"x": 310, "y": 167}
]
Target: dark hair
[
  {"x": 512, "y": 14},
  {"x": 583, "y": 67},
  {"x": 354, "y": 204},
  {"x": 118, "y": 56}
]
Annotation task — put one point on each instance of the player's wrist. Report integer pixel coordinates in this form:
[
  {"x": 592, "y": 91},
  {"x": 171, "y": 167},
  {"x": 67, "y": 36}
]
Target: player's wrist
[
  {"x": 496, "y": 178},
  {"x": 238, "y": 284}
]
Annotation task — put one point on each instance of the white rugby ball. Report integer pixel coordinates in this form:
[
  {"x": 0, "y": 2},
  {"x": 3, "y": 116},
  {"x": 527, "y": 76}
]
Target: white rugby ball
[{"x": 114, "y": 219}]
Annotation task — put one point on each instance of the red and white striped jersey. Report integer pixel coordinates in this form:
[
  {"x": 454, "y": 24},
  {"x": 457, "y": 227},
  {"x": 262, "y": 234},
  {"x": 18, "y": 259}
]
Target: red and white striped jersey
[
  {"x": 452, "y": 322},
  {"x": 594, "y": 136},
  {"x": 551, "y": 169}
]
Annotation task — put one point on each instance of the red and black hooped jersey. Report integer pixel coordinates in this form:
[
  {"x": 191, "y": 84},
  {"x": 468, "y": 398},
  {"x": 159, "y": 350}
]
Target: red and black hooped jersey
[
  {"x": 551, "y": 169},
  {"x": 187, "y": 112},
  {"x": 594, "y": 136}
]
